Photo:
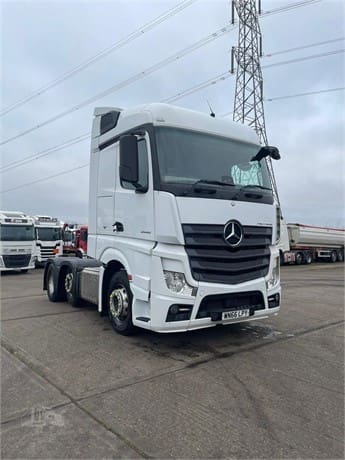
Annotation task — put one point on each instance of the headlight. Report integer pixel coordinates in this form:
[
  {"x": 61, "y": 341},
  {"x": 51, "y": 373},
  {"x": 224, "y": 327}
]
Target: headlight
[
  {"x": 274, "y": 280},
  {"x": 177, "y": 283}
]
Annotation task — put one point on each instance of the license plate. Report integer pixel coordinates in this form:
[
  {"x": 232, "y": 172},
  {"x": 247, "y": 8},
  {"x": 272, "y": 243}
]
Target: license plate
[{"x": 237, "y": 314}]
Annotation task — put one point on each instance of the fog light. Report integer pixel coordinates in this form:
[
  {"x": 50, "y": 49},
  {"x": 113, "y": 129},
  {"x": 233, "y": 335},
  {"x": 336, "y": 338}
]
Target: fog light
[
  {"x": 274, "y": 301},
  {"x": 177, "y": 283},
  {"x": 179, "y": 312}
]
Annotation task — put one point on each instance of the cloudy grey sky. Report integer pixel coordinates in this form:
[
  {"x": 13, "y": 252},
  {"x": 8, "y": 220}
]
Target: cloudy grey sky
[{"x": 43, "y": 40}]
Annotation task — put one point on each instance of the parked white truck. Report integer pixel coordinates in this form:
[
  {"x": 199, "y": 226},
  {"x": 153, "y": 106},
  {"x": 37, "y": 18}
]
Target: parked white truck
[
  {"x": 16, "y": 241},
  {"x": 183, "y": 227},
  {"x": 48, "y": 236},
  {"x": 304, "y": 244}
]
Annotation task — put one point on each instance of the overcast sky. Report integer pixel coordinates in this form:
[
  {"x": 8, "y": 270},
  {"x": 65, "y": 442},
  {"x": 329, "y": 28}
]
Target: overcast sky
[{"x": 42, "y": 40}]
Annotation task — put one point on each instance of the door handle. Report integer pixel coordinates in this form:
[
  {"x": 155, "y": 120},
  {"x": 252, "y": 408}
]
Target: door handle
[{"x": 117, "y": 227}]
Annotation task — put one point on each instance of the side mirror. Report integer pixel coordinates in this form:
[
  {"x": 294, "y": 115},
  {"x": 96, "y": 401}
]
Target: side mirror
[
  {"x": 129, "y": 164},
  {"x": 266, "y": 151}
]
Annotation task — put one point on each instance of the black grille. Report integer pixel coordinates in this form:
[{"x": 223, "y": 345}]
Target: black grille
[
  {"x": 47, "y": 251},
  {"x": 18, "y": 260},
  {"x": 213, "y": 305},
  {"x": 213, "y": 260}
]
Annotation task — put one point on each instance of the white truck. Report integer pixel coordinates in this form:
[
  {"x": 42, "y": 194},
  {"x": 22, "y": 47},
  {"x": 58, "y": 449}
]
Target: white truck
[
  {"x": 304, "y": 244},
  {"x": 183, "y": 227},
  {"x": 48, "y": 236},
  {"x": 17, "y": 239}
]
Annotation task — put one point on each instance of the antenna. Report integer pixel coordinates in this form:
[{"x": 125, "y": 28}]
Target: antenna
[{"x": 212, "y": 114}]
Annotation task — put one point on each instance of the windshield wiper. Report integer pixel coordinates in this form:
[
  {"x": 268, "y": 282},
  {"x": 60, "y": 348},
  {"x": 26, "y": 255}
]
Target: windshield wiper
[
  {"x": 212, "y": 182},
  {"x": 249, "y": 186},
  {"x": 254, "y": 186}
]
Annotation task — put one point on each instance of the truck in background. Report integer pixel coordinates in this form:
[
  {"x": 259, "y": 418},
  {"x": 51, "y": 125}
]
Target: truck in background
[
  {"x": 48, "y": 236},
  {"x": 17, "y": 241},
  {"x": 304, "y": 244},
  {"x": 183, "y": 226},
  {"x": 75, "y": 240}
]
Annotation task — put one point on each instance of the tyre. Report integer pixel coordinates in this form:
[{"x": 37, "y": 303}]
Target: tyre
[
  {"x": 119, "y": 304},
  {"x": 70, "y": 290},
  {"x": 55, "y": 293},
  {"x": 308, "y": 258},
  {"x": 25, "y": 270},
  {"x": 299, "y": 258},
  {"x": 340, "y": 256},
  {"x": 79, "y": 255},
  {"x": 334, "y": 256}
]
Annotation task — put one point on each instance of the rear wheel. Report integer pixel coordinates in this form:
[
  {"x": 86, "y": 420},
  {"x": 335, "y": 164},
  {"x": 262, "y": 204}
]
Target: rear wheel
[
  {"x": 333, "y": 256},
  {"x": 308, "y": 258},
  {"x": 55, "y": 293},
  {"x": 71, "y": 295},
  {"x": 299, "y": 258},
  {"x": 119, "y": 303},
  {"x": 340, "y": 256},
  {"x": 25, "y": 270}
]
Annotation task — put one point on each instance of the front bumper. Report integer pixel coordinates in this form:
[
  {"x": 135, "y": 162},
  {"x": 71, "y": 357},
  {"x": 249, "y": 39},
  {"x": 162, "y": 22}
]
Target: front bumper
[
  {"x": 160, "y": 299},
  {"x": 160, "y": 305},
  {"x": 16, "y": 266}
]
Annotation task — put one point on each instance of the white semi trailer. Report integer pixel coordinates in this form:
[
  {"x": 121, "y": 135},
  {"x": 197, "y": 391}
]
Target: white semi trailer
[
  {"x": 17, "y": 239},
  {"x": 306, "y": 243},
  {"x": 48, "y": 236},
  {"x": 183, "y": 227}
]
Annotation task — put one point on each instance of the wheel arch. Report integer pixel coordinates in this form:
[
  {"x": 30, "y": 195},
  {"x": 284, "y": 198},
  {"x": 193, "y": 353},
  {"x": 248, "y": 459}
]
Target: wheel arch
[{"x": 113, "y": 261}]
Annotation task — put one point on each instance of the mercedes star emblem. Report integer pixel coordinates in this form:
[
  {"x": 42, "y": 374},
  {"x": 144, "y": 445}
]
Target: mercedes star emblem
[{"x": 233, "y": 233}]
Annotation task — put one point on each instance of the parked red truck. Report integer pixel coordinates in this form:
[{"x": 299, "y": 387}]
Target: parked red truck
[{"x": 75, "y": 240}]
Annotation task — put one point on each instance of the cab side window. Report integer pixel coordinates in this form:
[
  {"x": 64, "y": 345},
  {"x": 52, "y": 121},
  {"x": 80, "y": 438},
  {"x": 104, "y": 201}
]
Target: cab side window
[{"x": 143, "y": 167}]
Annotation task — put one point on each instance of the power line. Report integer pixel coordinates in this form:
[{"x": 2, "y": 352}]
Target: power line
[
  {"x": 225, "y": 75},
  {"x": 45, "y": 152},
  {"x": 297, "y": 48},
  {"x": 292, "y": 96},
  {"x": 149, "y": 71},
  {"x": 46, "y": 178},
  {"x": 129, "y": 38},
  {"x": 105, "y": 52},
  {"x": 134, "y": 78},
  {"x": 223, "y": 115},
  {"x": 195, "y": 88},
  {"x": 291, "y": 7},
  {"x": 309, "y": 93},
  {"x": 305, "y": 58}
]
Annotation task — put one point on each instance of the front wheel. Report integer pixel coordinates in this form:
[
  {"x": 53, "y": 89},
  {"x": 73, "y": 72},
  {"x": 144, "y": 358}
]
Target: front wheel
[
  {"x": 25, "y": 270},
  {"x": 119, "y": 303},
  {"x": 333, "y": 256}
]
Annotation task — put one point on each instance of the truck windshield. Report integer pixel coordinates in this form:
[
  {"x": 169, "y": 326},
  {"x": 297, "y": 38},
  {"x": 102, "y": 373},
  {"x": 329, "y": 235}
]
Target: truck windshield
[
  {"x": 49, "y": 234},
  {"x": 188, "y": 157},
  {"x": 16, "y": 232}
]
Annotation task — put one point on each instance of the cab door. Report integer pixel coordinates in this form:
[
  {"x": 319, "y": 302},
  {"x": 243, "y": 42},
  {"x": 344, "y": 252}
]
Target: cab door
[
  {"x": 134, "y": 210},
  {"x": 106, "y": 186}
]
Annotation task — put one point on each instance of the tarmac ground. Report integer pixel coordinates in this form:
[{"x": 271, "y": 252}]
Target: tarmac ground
[{"x": 73, "y": 388}]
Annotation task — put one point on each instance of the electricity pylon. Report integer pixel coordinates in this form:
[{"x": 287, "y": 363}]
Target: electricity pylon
[{"x": 248, "y": 103}]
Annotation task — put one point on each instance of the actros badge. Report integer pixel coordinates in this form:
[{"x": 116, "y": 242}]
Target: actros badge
[{"x": 233, "y": 233}]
